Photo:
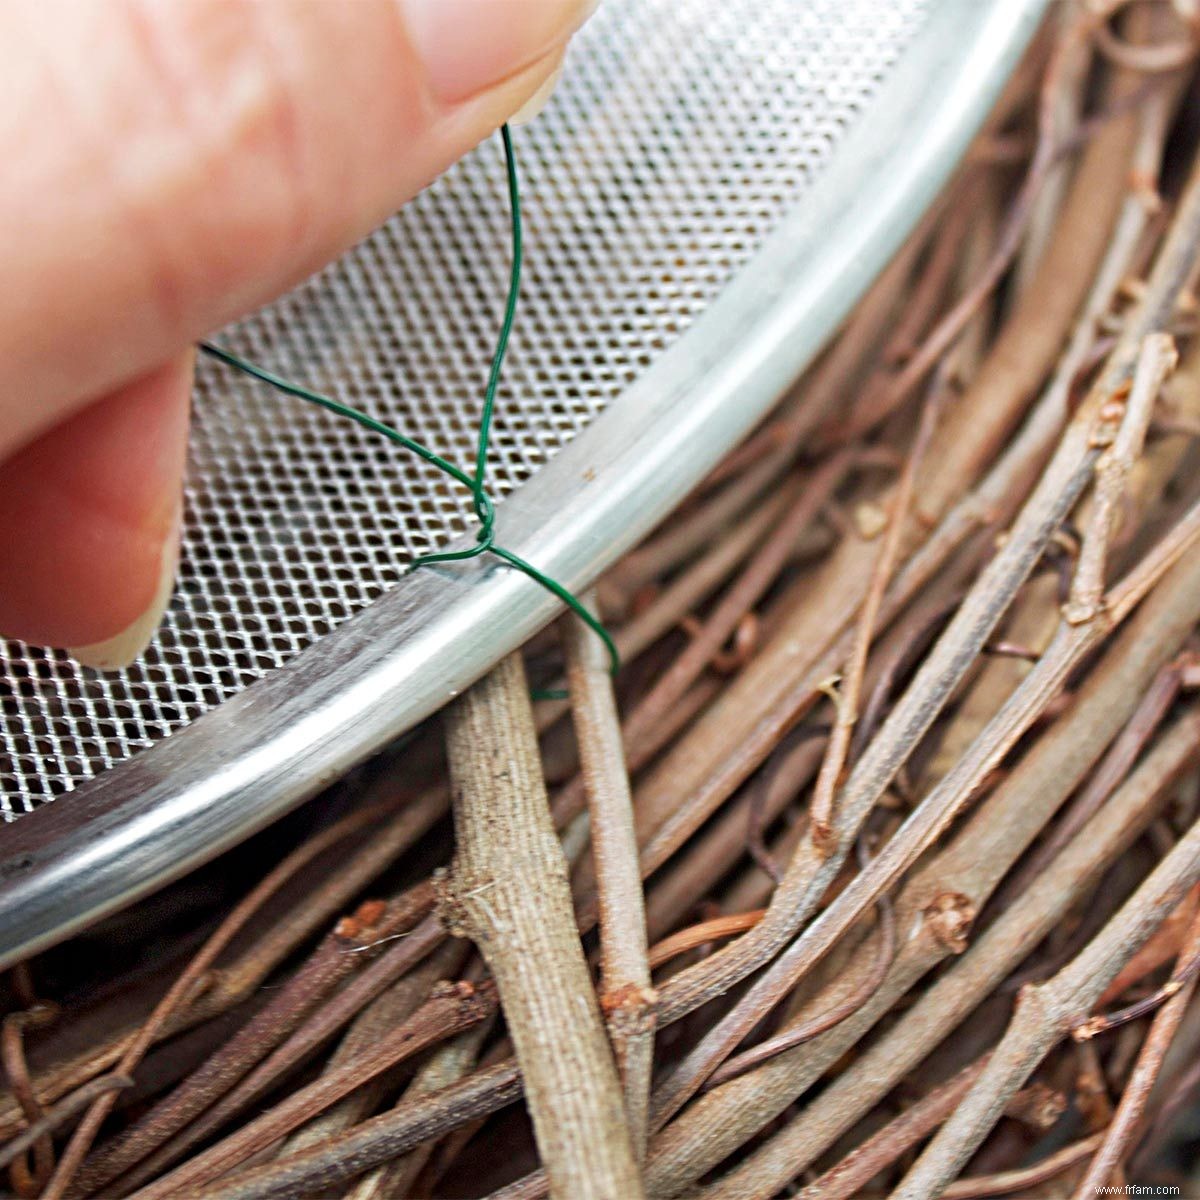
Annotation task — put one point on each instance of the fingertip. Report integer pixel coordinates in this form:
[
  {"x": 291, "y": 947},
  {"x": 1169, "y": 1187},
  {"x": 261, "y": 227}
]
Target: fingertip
[
  {"x": 532, "y": 107},
  {"x": 126, "y": 646},
  {"x": 468, "y": 46}
]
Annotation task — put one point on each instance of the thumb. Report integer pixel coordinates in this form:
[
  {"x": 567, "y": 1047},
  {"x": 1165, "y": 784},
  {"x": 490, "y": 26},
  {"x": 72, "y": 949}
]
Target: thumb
[{"x": 171, "y": 167}]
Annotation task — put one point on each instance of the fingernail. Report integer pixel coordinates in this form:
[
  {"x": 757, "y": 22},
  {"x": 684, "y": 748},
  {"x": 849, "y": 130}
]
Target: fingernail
[
  {"x": 534, "y": 105},
  {"x": 123, "y": 648},
  {"x": 468, "y": 46}
]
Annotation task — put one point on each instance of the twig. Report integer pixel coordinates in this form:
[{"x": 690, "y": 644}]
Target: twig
[
  {"x": 675, "y": 890},
  {"x": 1120, "y": 1134},
  {"x": 447, "y": 1065},
  {"x": 507, "y": 891},
  {"x": 383, "y": 1014},
  {"x": 1045, "y": 1012},
  {"x": 1034, "y": 618},
  {"x": 1122, "y": 754},
  {"x": 659, "y": 556},
  {"x": 945, "y": 254},
  {"x": 1163, "y": 947},
  {"x": 1130, "y": 418},
  {"x": 1059, "y": 487},
  {"x": 1015, "y": 1182},
  {"x": 847, "y": 1178},
  {"x": 1068, "y": 105},
  {"x": 452, "y": 1008},
  {"x": 229, "y": 985},
  {"x": 838, "y": 369},
  {"x": 700, "y": 935},
  {"x": 626, "y": 996},
  {"x": 754, "y": 580},
  {"x": 27, "y": 1181},
  {"x": 676, "y": 1159},
  {"x": 394, "y": 962},
  {"x": 181, "y": 991},
  {"x": 57, "y": 1116},
  {"x": 943, "y": 336},
  {"x": 1185, "y": 972},
  {"x": 805, "y": 1031},
  {"x": 320, "y": 975},
  {"x": 694, "y": 583},
  {"x": 377, "y": 1140},
  {"x": 838, "y": 746}
]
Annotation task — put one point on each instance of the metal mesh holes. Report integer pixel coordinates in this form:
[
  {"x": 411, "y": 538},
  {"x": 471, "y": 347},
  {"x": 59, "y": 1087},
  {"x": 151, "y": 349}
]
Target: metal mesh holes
[{"x": 679, "y": 135}]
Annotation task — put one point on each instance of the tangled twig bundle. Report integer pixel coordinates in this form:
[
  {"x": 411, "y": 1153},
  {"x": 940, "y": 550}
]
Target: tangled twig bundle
[{"x": 876, "y": 871}]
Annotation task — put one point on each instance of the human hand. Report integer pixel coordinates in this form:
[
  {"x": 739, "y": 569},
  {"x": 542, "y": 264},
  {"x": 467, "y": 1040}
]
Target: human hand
[{"x": 169, "y": 166}]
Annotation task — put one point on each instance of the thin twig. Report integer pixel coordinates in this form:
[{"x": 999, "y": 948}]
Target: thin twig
[
  {"x": 182, "y": 989},
  {"x": 1015, "y": 1182},
  {"x": 228, "y": 985},
  {"x": 754, "y": 580},
  {"x": 383, "y": 1014},
  {"x": 847, "y": 1178},
  {"x": 1162, "y": 948},
  {"x": 838, "y": 746},
  {"x": 626, "y": 996},
  {"x": 943, "y": 336},
  {"x": 332, "y": 962},
  {"x": 1058, "y": 489},
  {"x": 700, "y": 935},
  {"x": 805, "y": 1031},
  {"x": 1046, "y": 1012},
  {"x": 1129, "y": 419},
  {"x": 1122, "y": 754},
  {"x": 1121, "y": 1133},
  {"x": 395, "y": 961},
  {"x": 447, "y": 1065},
  {"x": 677, "y": 1157},
  {"x": 27, "y": 1181},
  {"x": 380, "y": 1139},
  {"x": 450, "y": 1010},
  {"x": 57, "y": 1116}
]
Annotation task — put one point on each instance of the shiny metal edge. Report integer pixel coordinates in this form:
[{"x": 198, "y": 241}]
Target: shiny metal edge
[{"x": 182, "y": 802}]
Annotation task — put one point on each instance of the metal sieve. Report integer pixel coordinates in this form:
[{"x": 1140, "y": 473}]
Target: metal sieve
[{"x": 712, "y": 187}]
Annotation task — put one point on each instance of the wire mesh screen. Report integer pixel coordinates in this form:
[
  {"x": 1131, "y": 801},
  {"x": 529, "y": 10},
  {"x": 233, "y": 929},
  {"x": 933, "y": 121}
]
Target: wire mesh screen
[{"x": 681, "y": 132}]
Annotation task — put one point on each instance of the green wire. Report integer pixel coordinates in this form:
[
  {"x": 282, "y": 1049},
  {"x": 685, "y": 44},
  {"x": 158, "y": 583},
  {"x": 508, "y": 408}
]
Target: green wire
[
  {"x": 510, "y": 312},
  {"x": 485, "y": 509},
  {"x": 335, "y": 406},
  {"x": 568, "y": 598}
]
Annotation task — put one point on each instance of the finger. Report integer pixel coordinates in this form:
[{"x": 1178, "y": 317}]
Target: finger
[
  {"x": 89, "y": 521},
  {"x": 534, "y": 105},
  {"x": 172, "y": 166}
]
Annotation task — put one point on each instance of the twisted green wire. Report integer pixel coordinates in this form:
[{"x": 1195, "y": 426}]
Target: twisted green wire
[{"x": 485, "y": 509}]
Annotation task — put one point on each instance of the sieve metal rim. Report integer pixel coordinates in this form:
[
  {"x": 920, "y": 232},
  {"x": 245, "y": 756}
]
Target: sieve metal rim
[{"x": 183, "y": 801}]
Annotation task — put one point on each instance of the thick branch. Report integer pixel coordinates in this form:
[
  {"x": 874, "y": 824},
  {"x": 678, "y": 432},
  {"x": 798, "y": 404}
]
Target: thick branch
[{"x": 507, "y": 890}]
